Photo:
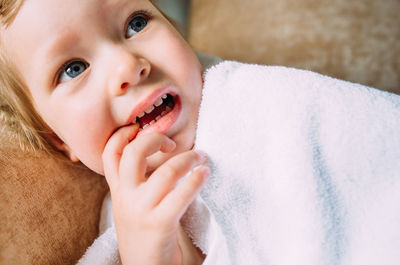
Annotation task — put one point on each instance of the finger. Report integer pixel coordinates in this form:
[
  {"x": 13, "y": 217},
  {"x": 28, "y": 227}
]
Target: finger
[
  {"x": 177, "y": 201},
  {"x": 163, "y": 179},
  {"x": 113, "y": 151},
  {"x": 133, "y": 161}
]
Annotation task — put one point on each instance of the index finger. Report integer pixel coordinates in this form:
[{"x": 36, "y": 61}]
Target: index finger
[
  {"x": 113, "y": 151},
  {"x": 133, "y": 162}
]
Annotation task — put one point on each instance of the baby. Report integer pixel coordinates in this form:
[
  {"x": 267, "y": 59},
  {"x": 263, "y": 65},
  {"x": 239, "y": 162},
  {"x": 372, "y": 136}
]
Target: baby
[
  {"x": 112, "y": 84},
  {"x": 304, "y": 167}
]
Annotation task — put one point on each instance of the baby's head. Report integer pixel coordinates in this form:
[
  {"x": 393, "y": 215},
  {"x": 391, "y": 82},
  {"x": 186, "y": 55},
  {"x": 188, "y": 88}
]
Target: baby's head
[{"x": 77, "y": 71}]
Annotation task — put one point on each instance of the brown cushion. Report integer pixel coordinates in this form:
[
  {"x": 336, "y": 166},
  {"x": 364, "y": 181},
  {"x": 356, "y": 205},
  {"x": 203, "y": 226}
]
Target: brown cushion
[
  {"x": 356, "y": 40},
  {"x": 49, "y": 208}
]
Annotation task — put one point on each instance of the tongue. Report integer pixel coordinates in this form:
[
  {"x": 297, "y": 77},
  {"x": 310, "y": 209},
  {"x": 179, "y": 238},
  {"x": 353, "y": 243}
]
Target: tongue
[{"x": 147, "y": 118}]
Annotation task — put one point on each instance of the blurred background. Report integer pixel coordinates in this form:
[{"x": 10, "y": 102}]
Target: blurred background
[
  {"x": 357, "y": 40},
  {"x": 176, "y": 9}
]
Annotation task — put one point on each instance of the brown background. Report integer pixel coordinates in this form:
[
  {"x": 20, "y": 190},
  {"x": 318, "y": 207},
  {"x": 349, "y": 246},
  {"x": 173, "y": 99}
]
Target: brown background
[
  {"x": 357, "y": 40},
  {"x": 49, "y": 208}
]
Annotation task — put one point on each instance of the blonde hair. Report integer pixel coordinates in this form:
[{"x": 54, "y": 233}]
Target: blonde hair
[
  {"x": 16, "y": 108},
  {"x": 18, "y": 112},
  {"x": 16, "y": 104},
  {"x": 8, "y": 10}
]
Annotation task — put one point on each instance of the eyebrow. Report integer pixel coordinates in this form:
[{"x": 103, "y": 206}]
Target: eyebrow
[
  {"x": 56, "y": 51},
  {"x": 64, "y": 41},
  {"x": 60, "y": 44}
]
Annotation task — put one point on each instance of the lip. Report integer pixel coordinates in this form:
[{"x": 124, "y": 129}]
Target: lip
[
  {"x": 147, "y": 102},
  {"x": 166, "y": 121}
]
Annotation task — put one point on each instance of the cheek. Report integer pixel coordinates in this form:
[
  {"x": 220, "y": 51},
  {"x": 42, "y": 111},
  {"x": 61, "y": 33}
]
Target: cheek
[
  {"x": 186, "y": 71},
  {"x": 87, "y": 143},
  {"x": 86, "y": 132},
  {"x": 188, "y": 64},
  {"x": 177, "y": 57}
]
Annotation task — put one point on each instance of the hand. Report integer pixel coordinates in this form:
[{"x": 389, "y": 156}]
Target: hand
[{"x": 147, "y": 210}]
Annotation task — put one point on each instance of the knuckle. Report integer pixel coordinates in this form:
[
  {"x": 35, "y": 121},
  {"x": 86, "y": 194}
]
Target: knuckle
[
  {"x": 189, "y": 157},
  {"x": 164, "y": 219},
  {"x": 189, "y": 154},
  {"x": 157, "y": 221},
  {"x": 170, "y": 170},
  {"x": 129, "y": 206},
  {"x": 195, "y": 155},
  {"x": 140, "y": 144},
  {"x": 133, "y": 150},
  {"x": 196, "y": 180},
  {"x": 152, "y": 136},
  {"x": 129, "y": 148},
  {"x": 151, "y": 220},
  {"x": 138, "y": 209},
  {"x": 157, "y": 134}
]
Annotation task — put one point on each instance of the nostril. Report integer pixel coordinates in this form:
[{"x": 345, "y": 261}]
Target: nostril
[
  {"x": 143, "y": 72},
  {"x": 124, "y": 85}
]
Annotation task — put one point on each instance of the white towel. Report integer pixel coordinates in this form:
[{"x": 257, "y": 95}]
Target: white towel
[{"x": 305, "y": 169}]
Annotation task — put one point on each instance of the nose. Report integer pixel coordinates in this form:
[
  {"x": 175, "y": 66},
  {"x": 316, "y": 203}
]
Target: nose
[{"x": 127, "y": 70}]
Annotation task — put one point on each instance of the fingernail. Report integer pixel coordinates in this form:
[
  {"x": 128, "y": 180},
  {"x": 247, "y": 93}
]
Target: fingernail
[
  {"x": 206, "y": 172},
  {"x": 135, "y": 130},
  {"x": 202, "y": 154},
  {"x": 171, "y": 144}
]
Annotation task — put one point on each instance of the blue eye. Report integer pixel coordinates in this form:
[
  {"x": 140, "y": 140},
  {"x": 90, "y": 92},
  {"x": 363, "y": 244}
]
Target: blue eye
[
  {"x": 136, "y": 24},
  {"x": 72, "y": 70}
]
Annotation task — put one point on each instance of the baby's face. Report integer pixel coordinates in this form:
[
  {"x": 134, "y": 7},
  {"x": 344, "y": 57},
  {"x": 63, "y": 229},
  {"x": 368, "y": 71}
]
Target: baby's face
[{"x": 93, "y": 66}]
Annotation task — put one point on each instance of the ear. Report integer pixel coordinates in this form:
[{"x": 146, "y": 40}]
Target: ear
[{"x": 63, "y": 147}]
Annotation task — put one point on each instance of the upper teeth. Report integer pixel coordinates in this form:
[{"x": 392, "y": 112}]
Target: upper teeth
[
  {"x": 158, "y": 102},
  {"x": 149, "y": 109}
]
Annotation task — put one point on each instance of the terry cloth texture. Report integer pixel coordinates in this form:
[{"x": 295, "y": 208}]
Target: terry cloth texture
[{"x": 305, "y": 168}]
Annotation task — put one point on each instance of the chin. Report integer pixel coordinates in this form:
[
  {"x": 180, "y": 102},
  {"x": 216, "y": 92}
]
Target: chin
[{"x": 94, "y": 167}]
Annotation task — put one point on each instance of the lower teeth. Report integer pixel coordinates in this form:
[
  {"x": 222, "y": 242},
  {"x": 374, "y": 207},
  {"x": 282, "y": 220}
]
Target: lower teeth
[
  {"x": 168, "y": 108},
  {"x": 166, "y": 111}
]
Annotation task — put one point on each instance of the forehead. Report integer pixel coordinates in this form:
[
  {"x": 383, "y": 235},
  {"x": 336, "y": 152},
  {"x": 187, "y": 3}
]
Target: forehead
[
  {"x": 40, "y": 24},
  {"x": 47, "y": 14},
  {"x": 38, "y": 19}
]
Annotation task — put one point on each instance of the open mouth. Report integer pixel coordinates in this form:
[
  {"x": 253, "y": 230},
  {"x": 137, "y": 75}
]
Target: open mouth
[{"x": 152, "y": 114}]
